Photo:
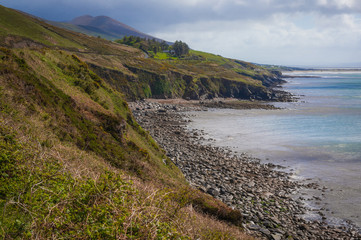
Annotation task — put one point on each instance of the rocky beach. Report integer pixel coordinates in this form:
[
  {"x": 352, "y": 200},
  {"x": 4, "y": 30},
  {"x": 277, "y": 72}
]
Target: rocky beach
[{"x": 264, "y": 193}]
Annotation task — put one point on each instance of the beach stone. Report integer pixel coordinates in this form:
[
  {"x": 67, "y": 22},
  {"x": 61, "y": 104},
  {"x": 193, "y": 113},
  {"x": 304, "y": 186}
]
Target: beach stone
[
  {"x": 276, "y": 236},
  {"x": 265, "y": 231},
  {"x": 268, "y": 194},
  {"x": 253, "y": 227},
  {"x": 213, "y": 192},
  {"x": 251, "y": 184},
  {"x": 268, "y": 224}
]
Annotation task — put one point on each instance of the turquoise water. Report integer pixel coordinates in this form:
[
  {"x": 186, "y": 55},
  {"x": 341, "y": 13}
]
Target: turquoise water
[
  {"x": 328, "y": 116},
  {"x": 318, "y": 137}
]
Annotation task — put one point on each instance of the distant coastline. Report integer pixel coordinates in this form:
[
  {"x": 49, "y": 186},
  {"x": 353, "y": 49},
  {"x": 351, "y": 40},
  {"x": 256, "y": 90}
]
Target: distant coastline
[
  {"x": 326, "y": 69},
  {"x": 299, "y": 76},
  {"x": 289, "y": 74}
]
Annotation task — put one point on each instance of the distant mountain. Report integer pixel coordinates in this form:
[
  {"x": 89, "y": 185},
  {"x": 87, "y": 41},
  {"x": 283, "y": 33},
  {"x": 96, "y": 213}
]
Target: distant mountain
[{"x": 102, "y": 26}]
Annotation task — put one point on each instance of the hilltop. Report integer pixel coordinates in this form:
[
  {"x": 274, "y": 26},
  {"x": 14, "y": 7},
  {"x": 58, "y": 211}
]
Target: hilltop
[{"x": 101, "y": 26}]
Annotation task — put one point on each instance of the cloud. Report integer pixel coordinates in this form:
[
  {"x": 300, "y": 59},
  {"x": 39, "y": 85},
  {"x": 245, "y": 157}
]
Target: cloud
[
  {"x": 164, "y": 12},
  {"x": 279, "y": 40}
]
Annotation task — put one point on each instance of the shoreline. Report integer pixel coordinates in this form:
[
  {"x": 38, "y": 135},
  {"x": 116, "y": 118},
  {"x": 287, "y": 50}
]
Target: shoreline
[
  {"x": 229, "y": 103},
  {"x": 262, "y": 193}
]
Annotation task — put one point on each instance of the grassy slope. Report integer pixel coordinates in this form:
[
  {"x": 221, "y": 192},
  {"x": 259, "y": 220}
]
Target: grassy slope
[
  {"x": 170, "y": 78},
  {"x": 245, "y": 69},
  {"x": 164, "y": 76},
  {"x": 73, "y": 162},
  {"x": 14, "y": 23},
  {"x": 89, "y": 32}
]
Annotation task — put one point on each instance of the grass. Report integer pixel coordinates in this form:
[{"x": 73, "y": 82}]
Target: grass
[
  {"x": 68, "y": 160},
  {"x": 41, "y": 198},
  {"x": 14, "y": 23},
  {"x": 164, "y": 56},
  {"x": 20, "y": 30},
  {"x": 209, "y": 57},
  {"x": 74, "y": 163}
]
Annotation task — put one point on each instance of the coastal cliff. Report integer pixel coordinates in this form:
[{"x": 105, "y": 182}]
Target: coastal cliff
[
  {"x": 142, "y": 83},
  {"x": 76, "y": 164}
]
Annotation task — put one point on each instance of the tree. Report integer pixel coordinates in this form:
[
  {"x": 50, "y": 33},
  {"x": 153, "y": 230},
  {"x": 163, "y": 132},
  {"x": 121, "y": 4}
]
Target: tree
[
  {"x": 155, "y": 49},
  {"x": 180, "y": 48},
  {"x": 164, "y": 45},
  {"x": 124, "y": 40}
]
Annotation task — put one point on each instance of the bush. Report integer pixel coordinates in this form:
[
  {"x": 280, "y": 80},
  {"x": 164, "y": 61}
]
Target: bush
[{"x": 46, "y": 202}]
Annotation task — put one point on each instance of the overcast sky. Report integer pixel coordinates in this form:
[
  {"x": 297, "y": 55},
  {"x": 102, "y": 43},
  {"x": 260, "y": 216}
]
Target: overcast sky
[{"x": 288, "y": 32}]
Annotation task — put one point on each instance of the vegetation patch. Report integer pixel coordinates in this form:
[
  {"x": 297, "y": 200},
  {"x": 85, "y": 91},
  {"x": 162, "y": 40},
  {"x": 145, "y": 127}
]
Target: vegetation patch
[{"x": 45, "y": 201}]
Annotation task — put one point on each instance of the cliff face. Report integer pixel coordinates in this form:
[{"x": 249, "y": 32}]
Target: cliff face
[
  {"x": 146, "y": 84},
  {"x": 151, "y": 78}
]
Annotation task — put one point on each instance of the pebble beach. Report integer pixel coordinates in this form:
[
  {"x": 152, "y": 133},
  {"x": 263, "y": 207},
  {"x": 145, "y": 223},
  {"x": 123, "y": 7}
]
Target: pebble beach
[{"x": 264, "y": 193}]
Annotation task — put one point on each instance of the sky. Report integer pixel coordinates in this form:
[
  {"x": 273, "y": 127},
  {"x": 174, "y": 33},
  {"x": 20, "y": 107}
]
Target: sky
[{"x": 283, "y": 32}]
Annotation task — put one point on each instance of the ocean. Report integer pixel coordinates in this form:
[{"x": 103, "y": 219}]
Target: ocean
[{"x": 317, "y": 137}]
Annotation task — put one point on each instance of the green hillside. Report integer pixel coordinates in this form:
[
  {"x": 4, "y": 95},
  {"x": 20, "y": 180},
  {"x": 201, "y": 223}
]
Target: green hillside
[
  {"x": 198, "y": 75},
  {"x": 74, "y": 164},
  {"x": 195, "y": 76}
]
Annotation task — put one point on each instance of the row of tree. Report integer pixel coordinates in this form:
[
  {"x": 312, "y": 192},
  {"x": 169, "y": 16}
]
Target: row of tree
[{"x": 153, "y": 46}]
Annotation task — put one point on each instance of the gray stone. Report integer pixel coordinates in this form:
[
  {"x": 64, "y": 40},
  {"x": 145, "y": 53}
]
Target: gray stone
[
  {"x": 213, "y": 192},
  {"x": 251, "y": 184},
  {"x": 276, "y": 236},
  {"x": 265, "y": 231},
  {"x": 254, "y": 227}
]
